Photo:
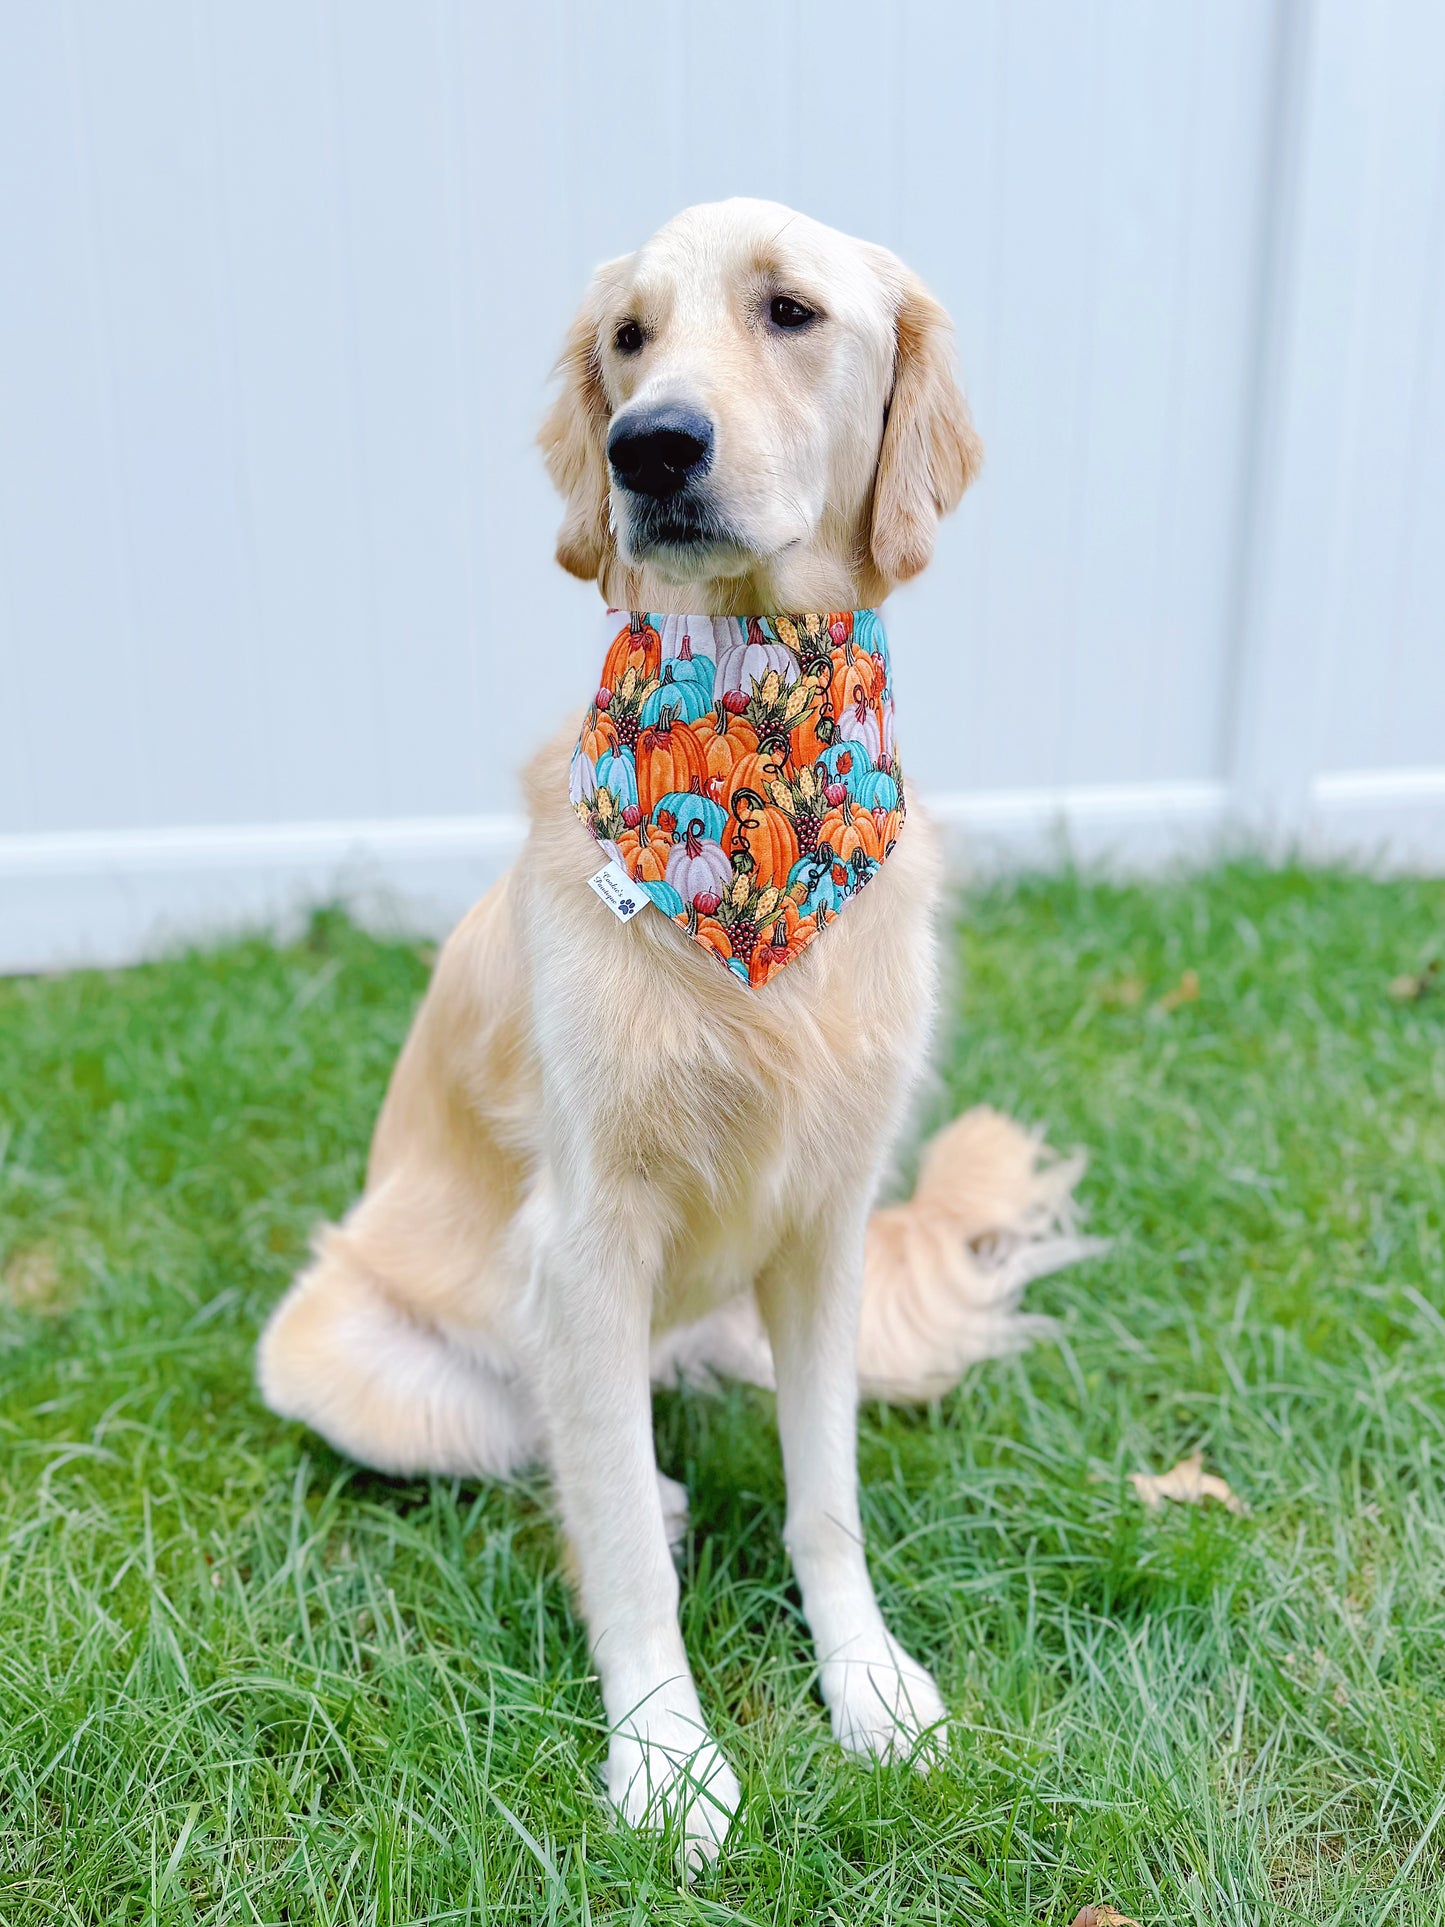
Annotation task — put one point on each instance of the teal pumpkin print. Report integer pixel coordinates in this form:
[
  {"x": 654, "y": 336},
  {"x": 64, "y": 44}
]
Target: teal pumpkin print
[
  {"x": 874, "y": 790},
  {"x": 822, "y": 890},
  {"x": 688, "y": 665},
  {"x": 846, "y": 763},
  {"x": 666, "y": 899},
  {"x": 868, "y": 633},
  {"x": 687, "y": 700},
  {"x": 684, "y": 808},
  {"x": 617, "y": 774}
]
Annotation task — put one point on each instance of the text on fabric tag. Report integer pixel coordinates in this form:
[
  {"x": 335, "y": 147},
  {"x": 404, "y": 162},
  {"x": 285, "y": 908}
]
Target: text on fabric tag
[{"x": 623, "y": 897}]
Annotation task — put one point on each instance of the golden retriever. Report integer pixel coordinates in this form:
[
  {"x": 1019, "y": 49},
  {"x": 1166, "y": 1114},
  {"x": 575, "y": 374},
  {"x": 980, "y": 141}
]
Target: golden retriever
[{"x": 602, "y": 1161}]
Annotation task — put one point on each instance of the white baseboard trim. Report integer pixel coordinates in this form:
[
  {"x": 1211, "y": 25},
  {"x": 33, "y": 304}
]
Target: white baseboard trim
[
  {"x": 1387, "y": 821},
  {"x": 117, "y": 896},
  {"x": 1350, "y": 788},
  {"x": 254, "y": 845},
  {"x": 1391, "y": 820},
  {"x": 1130, "y": 826}
]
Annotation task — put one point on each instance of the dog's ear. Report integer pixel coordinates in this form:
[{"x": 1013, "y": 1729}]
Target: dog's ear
[
  {"x": 574, "y": 442},
  {"x": 930, "y": 451}
]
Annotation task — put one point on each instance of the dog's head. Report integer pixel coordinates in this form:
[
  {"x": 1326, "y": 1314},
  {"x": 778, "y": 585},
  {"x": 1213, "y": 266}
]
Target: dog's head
[{"x": 753, "y": 395}]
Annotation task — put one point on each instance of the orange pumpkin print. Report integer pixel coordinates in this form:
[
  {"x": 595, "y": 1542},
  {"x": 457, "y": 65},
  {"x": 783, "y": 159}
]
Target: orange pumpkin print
[
  {"x": 710, "y": 933},
  {"x": 758, "y": 771},
  {"x": 771, "y": 739},
  {"x": 857, "y": 678},
  {"x": 669, "y": 757},
  {"x": 780, "y": 942},
  {"x": 809, "y": 738},
  {"x": 639, "y": 647},
  {"x": 599, "y": 735},
  {"x": 730, "y": 739},
  {"x": 848, "y": 830},
  {"x": 765, "y": 832},
  {"x": 645, "y": 851}
]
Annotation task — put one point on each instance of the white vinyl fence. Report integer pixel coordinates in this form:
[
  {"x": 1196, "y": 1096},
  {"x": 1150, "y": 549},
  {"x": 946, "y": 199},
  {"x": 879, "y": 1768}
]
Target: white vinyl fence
[{"x": 281, "y": 280}]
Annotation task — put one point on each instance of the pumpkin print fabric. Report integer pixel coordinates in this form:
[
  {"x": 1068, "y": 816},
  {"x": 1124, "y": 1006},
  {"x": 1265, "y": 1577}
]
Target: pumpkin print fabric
[{"x": 742, "y": 771}]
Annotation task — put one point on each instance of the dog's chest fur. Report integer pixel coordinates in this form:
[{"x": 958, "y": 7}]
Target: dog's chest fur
[{"x": 732, "y": 1115}]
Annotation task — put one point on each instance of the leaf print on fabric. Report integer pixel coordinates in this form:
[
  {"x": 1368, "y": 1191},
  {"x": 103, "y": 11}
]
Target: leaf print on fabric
[{"x": 742, "y": 771}]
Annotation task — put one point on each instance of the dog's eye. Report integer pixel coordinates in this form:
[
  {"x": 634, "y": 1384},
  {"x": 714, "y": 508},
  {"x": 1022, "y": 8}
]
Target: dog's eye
[
  {"x": 628, "y": 338},
  {"x": 784, "y": 312}
]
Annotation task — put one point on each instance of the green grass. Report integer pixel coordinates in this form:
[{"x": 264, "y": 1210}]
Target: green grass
[{"x": 242, "y": 1681}]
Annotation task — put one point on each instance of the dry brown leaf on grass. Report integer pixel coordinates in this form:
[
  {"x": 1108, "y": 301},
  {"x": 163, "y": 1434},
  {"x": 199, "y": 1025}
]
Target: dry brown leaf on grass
[
  {"x": 1410, "y": 989},
  {"x": 1126, "y": 993},
  {"x": 31, "y": 1280},
  {"x": 1188, "y": 1482},
  {"x": 1101, "y": 1916},
  {"x": 1186, "y": 991}
]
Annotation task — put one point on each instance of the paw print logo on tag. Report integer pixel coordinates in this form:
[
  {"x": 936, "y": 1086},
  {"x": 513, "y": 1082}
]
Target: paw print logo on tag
[{"x": 618, "y": 891}]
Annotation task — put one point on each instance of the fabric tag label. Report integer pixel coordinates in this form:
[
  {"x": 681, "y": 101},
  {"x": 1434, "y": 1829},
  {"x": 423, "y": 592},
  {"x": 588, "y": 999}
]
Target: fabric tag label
[{"x": 623, "y": 897}]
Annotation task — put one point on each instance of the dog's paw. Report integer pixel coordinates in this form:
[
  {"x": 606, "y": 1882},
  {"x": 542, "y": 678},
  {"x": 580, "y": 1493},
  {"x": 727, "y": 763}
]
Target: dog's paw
[
  {"x": 884, "y": 1705},
  {"x": 665, "y": 1772}
]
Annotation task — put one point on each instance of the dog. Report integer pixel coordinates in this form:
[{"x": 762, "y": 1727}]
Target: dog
[{"x": 602, "y": 1163}]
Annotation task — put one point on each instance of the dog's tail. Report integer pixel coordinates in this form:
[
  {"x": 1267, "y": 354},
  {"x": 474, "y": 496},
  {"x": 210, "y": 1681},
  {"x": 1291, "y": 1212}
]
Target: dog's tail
[{"x": 943, "y": 1273}]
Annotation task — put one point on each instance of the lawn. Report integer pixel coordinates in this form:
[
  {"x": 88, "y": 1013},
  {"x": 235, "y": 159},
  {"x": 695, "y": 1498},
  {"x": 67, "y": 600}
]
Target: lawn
[{"x": 242, "y": 1681}]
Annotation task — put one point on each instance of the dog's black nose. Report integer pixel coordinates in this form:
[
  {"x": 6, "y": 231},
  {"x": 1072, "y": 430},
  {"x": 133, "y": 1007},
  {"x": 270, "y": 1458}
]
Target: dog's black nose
[{"x": 658, "y": 451}]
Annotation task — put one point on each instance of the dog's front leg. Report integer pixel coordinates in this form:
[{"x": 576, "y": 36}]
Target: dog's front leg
[
  {"x": 882, "y": 1702},
  {"x": 594, "y": 1301}
]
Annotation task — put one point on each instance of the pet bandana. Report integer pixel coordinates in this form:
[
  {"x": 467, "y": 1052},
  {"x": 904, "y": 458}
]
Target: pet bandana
[{"x": 740, "y": 770}]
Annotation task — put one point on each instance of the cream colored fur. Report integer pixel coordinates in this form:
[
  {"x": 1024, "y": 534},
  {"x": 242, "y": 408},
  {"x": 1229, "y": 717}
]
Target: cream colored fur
[{"x": 602, "y": 1161}]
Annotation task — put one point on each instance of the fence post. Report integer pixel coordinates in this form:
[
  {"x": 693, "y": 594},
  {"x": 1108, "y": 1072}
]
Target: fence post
[{"x": 1360, "y": 142}]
